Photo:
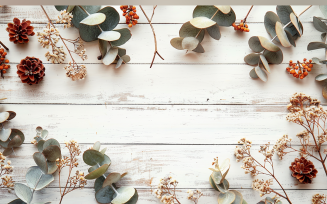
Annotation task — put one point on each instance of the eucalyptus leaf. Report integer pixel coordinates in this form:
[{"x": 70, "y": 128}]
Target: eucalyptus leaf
[
  {"x": 44, "y": 134},
  {"x": 113, "y": 177},
  {"x": 264, "y": 62},
  {"x": 125, "y": 193},
  {"x": 188, "y": 30},
  {"x": 109, "y": 35},
  {"x": 119, "y": 63},
  {"x": 244, "y": 202},
  {"x": 274, "y": 57},
  {"x": 281, "y": 34},
  {"x": 253, "y": 75},
  {"x": 225, "y": 19},
  {"x": 202, "y": 22},
  {"x": 52, "y": 167},
  {"x": 216, "y": 177},
  {"x": 94, "y": 19},
  {"x": 316, "y": 60},
  {"x": 226, "y": 198},
  {"x": 134, "y": 199},
  {"x": 110, "y": 56},
  {"x": 7, "y": 152},
  {"x": 60, "y": 7},
  {"x": 316, "y": 45},
  {"x": 126, "y": 58},
  {"x": 98, "y": 183},
  {"x": 323, "y": 9},
  {"x": 40, "y": 145},
  {"x": 321, "y": 77},
  {"x": 41, "y": 161},
  {"x": 12, "y": 115},
  {"x": 14, "y": 133},
  {"x": 36, "y": 179},
  {"x": 4, "y": 134},
  {"x": 324, "y": 91},
  {"x": 98, "y": 172},
  {"x": 214, "y": 31},
  {"x": 252, "y": 59},
  {"x": 223, "y": 187},
  {"x": 284, "y": 11},
  {"x": 223, "y": 8},
  {"x": 261, "y": 74},
  {"x": 212, "y": 183},
  {"x": 89, "y": 33},
  {"x": 319, "y": 25},
  {"x": 92, "y": 157},
  {"x": 190, "y": 43},
  {"x": 105, "y": 195},
  {"x": 50, "y": 142},
  {"x": 23, "y": 192},
  {"x": 125, "y": 35},
  {"x": 15, "y": 142},
  {"x": 52, "y": 153},
  {"x": 70, "y": 8},
  {"x": 295, "y": 22},
  {"x": 199, "y": 49},
  {"x": 104, "y": 149},
  {"x": 290, "y": 38},
  {"x": 204, "y": 11},
  {"x": 323, "y": 36},
  {"x": 4, "y": 116},
  {"x": 270, "y": 24},
  {"x": 259, "y": 43},
  {"x": 79, "y": 14},
  {"x": 238, "y": 197},
  {"x": 17, "y": 201},
  {"x": 112, "y": 18},
  {"x": 103, "y": 47},
  {"x": 177, "y": 43}
]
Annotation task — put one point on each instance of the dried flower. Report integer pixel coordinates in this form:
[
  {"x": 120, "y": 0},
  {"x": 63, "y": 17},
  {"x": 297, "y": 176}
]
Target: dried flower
[
  {"x": 75, "y": 71},
  {"x": 49, "y": 36},
  {"x": 263, "y": 186},
  {"x": 194, "y": 195},
  {"x": 319, "y": 199},
  {"x": 280, "y": 146},
  {"x": 300, "y": 69},
  {"x": 303, "y": 170},
  {"x": 19, "y": 31},
  {"x": 5, "y": 170},
  {"x": 31, "y": 70},
  {"x": 65, "y": 18},
  {"x": 57, "y": 56},
  {"x": 130, "y": 14},
  {"x": 166, "y": 190}
]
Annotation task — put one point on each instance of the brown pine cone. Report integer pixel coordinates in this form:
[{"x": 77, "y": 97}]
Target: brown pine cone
[
  {"x": 303, "y": 170},
  {"x": 31, "y": 70},
  {"x": 18, "y": 31}
]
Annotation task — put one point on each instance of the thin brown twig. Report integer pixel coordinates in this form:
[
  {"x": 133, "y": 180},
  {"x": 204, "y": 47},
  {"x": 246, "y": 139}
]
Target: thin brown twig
[
  {"x": 247, "y": 14},
  {"x": 3, "y": 45},
  {"x": 154, "y": 35}
]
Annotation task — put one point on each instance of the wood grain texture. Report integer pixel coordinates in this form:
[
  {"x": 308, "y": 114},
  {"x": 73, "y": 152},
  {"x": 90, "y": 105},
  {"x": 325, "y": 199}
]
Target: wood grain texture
[{"x": 171, "y": 119}]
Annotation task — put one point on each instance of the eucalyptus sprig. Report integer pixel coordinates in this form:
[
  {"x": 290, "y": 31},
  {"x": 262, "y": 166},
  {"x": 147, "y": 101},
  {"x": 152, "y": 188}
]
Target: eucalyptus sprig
[
  {"x": 320, "y": 25},
  {"x": 283, "y": 27},
  {"x": 9, "y": 138},
  {"x": 105, "y": 188},
  {"x": 218, "y": 182},
  {"x": 99, "y": 24},
  {"x": 207, "y": 18}
]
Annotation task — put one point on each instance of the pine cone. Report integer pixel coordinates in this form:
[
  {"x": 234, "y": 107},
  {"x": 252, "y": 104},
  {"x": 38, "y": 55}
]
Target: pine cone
[
  {"x": 18, "y": 31},
  {"x": 303, "y": 170},
  {"x": 31, "y": 70}
]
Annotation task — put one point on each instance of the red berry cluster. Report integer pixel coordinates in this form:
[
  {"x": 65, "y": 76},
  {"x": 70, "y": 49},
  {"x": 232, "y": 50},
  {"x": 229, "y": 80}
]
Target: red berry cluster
[
  {"x": 130, "y": 14},
  {"x": 3, "y": 61},
  {"x": 300, "y": 69},
  {"x": 243, "y": 27}
]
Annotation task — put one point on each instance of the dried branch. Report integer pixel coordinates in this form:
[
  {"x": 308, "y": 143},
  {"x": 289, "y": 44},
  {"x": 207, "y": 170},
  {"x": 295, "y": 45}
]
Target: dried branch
[{"x": 154, "y": 35}]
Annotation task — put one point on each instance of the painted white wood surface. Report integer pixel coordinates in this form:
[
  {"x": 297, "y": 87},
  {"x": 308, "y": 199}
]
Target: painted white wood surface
[{"x": 171, "y": 119}]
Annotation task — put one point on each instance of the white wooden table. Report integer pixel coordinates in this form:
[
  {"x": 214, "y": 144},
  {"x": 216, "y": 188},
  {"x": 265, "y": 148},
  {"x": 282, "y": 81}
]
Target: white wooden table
[{"x": 171, "y": 119}]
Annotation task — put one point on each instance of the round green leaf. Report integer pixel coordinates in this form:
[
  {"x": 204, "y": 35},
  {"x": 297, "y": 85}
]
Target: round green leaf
[
  {"x": 125, "y": 35},
  {"x": 295, "y": 22},
  {"x": 52, "y": 167},
  {"x": 190, "y": 43},
  {"x": 264, "y": 62},
  {"x": 40, "y": 145},
  {"x": 70, "y": 8},
  {"x": 98, "y": 172},
  {"x": 52, "y": 153},
  {"x": 92, "y": 157},
  {"x": 188, "y": 30},
  {"x": 105, "y": 195},
  {"x": 252, "y": 59},
  {"x": 321, "y": 77},
  {"x": 7, "y": 152},
  {"x": 255, "y": 45},
  {"x": 50, "y": 142},
  {"x": 113, "y": 177},
  {"x": 103, "y": 47},
  {"x": 284, "y": 11},
  {"x": 202, "y": 22},
  {"x": 97, "y": 145},
  {"x": 44, "y": 134},
  {"x": 109, "y": 35},
  {"x": 177, "y": 43},
  {"x": 98, "y": 183},
  {"x": 126, "y": 58},
  {"x": 225, "y": 19},
  {"x": 134, "y": 199},
  {"x": 112, "y": 18},
  {"x": 41, "y": 161},
  {"x": 15, "y": 142},
  {"x": 121, "y": 52},
  {"x": 4, "y": 116},
  {"x": 206, "y": 11},
  {"x": 261, "y": 74},
  {"x": 214, "y": 31},
  {"x": 110, "y": 56},
  {"x": 89, "y": 33},
  {"x": 106, "y": 160},
  {"x": 14, "y": 132},
  {"x": 223, "y": 8},
  {"x": 273, "y": 57},
  {"x": 323, "y": 36},
  {"x": 270, "y": 21},
  {"x": 23, "y": 192},
  {"x": 223, "y": 187},
  {"x": 105, "y": 149},
  {"x": 17, "y": 201},
  {"x": 238, "y": 197},
  {"x": 4, "y": 134},
  {"x": 60, "y": 8},
  {"x": 36, "y": 179},
  {"x": 94, "y": 19},
  {"x": 319, "y": 25},
  {"x": 253, "y": 75},
  {"x": 282, "y": 35},
  {"x": 323, "y": 9},
  {"x": 216, "y": 177},
  {"x": 316, "y": 45},
  {"x": 265, "y": 43},
  {"x": 125, "y": 193},
  {"x": 79, "y": 14},
  {"x": 12, "y": 115},
  {"x": 212, "y": 183},
  {"x": 119, "y": 63},
  {"x": 290, "y": 38},
  {"x": 38, "y": 130},
  {"x": 226, "y": 198},
  {"x": 244, "y": 202},
  {"x": 199, "y": 49}
]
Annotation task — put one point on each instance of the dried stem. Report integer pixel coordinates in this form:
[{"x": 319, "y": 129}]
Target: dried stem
[
  {"x": 154, "y": 35},
  {"x": 3, "y": 45},
  {"x": 247, "y": 14}
]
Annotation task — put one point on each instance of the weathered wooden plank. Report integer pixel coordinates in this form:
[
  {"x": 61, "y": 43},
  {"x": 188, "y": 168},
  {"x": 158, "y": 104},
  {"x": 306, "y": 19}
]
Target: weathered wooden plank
[
  {"x": 188, "y": 164},
  {"x": 155, "y": 124},
  {"x": 163, "y": 13},
  {"x": 146, "y": 197}
]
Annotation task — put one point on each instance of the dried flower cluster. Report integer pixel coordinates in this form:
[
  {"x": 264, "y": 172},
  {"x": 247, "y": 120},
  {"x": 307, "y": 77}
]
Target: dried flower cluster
[
  {"x": 76, "y": 181},
  {"x": 5, "y": 170},
  {"x": 3, "y": 62},
  {"x": 194, "y": 195},
  {"x": 166, "y": 190},
  {"x": 319, "y": 199},
  {"x": 50, "y": 36},
  {"x": 19, "y": 31},
  {"x": 263, "y": 186},
  {"x": 130, "y": 14},
  {"x": 299, "y": 69},
  {"x": 65, "y": 18}
]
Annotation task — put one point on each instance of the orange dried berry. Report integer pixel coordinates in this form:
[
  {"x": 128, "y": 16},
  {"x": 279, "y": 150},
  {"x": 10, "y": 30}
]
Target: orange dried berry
[
  {"x": 6, "y": 67},
  {"x": 133, "y": 7},
  {"x": 310, "y": 65},
  {"x": 292, "y": 71},
  {"x": 301, "y": 77},
  {"x": 310, "y": 60},
  {"x": 305, "y": 73},
  {"x": 121, "y": 7},
  {"x": 130, "y": 25},
  {"x": 6, "y": 61},
  {"x": 309, "y": 69},
  {"x": 4, "y": 71},
  {"x": 246, "y": 25},
  {"x": 305, "y": 59}
]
